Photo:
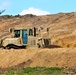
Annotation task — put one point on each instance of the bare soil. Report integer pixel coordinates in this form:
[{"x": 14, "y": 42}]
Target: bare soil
[
  {"x": 62, "y": 26},
  {"x": 62, "y": 31},
  {"x": 57, "y": 57}
]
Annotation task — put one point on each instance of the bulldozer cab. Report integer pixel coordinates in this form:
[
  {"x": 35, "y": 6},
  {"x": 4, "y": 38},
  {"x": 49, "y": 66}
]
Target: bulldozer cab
[{"x": 21, "y": 33}]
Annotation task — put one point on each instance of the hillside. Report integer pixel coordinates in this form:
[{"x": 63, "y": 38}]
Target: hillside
[
  {"x": 62, "y": 30},
  {"x": 62, "y": 26}
]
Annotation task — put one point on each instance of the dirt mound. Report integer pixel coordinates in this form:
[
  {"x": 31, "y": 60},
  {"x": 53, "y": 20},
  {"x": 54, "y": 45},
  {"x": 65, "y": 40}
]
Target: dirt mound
[
  {"x": 62, "y": 31},
  {"x": 59, "y": 57},
  {"x": 61, "y": 26}
]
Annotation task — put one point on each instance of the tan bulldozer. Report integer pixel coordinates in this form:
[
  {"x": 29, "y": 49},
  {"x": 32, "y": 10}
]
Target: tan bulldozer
[{"x": 25, "y": 37}]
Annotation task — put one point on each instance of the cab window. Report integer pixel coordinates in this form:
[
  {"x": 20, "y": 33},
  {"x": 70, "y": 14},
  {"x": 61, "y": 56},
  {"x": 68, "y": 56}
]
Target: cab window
[
  {"x": 30, "y": 32},
  {"x": 17, "y": 33}
]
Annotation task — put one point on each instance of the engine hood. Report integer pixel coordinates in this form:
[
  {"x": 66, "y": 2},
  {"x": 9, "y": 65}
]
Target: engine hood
[{"x": 15, "y": 41}]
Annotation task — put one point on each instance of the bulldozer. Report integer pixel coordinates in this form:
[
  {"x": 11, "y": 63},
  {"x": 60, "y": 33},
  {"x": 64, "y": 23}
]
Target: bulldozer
[{"x": 25, "y": 37}]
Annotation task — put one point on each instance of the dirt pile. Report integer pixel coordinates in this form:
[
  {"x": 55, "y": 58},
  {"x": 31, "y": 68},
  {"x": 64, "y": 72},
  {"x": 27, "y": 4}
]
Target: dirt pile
[
  {"x": 62, "y": 26},
  {"x": 62, "y": 31},
  {"x": 60, "y": 57}
]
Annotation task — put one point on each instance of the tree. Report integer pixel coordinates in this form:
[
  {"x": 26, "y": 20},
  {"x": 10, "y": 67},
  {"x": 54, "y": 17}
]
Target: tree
[{"x": 1, "y": 11}]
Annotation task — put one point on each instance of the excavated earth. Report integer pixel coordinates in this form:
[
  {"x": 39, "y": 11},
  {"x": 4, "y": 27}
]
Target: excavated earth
[
  {"x": 58, "y": 57},
  {"x": 62, "y": 31}
]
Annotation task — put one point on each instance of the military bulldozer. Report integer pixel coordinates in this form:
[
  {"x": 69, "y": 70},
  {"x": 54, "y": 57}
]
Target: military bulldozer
[{"x": 24, "y": 37}]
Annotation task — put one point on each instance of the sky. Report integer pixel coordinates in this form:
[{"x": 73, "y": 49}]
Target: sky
[{"x": 37, "y": 7}]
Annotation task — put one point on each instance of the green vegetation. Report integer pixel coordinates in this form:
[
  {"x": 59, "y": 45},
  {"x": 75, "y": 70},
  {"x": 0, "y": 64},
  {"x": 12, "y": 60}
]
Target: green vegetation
[{"x": 36, "y": 71}]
